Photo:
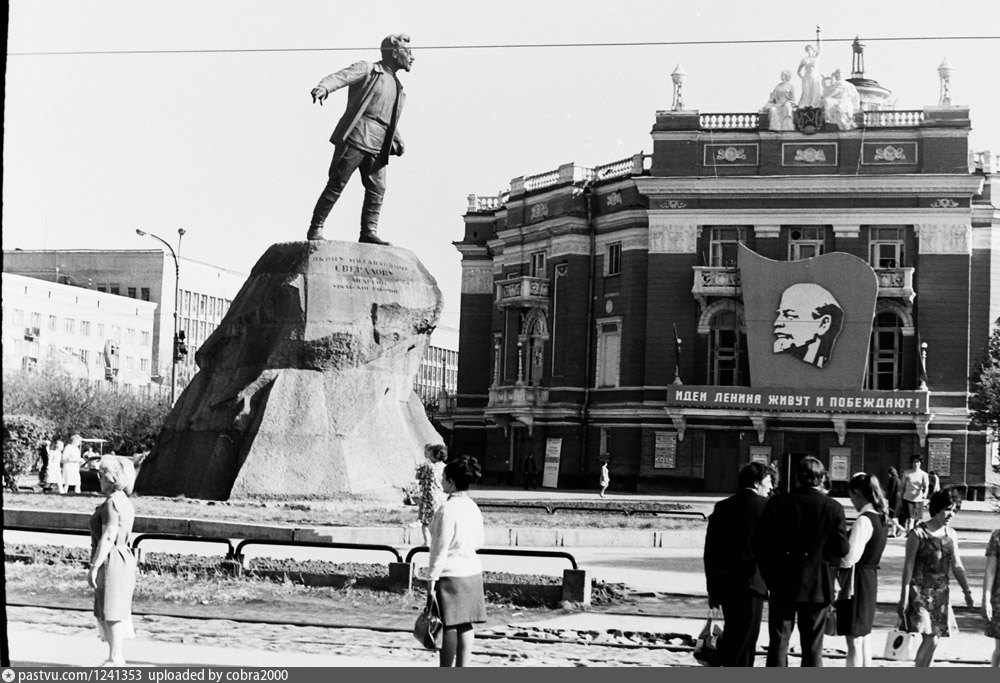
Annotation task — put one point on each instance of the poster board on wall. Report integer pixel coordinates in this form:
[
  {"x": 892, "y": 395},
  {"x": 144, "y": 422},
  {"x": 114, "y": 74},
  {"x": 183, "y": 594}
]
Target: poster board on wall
[
  {"x": 550, "y": 471},
  {"x": 840, "y": 464},
  {"x": 665, "y": 453},
  {"x": 761, "y": 454},
  {"x": 939, "y": 456}
]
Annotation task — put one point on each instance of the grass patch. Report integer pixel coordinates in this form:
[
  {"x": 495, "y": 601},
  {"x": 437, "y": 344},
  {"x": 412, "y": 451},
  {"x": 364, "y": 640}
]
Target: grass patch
[{"x": 313, "y": 513}]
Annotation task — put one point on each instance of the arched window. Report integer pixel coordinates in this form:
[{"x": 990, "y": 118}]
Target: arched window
[
  {"x": 727, "y": 343},
  {"x": 533, "y": 337},
  {"x": 885, "y": 367}
]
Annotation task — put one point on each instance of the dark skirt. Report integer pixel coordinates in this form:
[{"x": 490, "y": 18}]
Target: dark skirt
[
  {"x": 461, "y": 599},
  {"x": 856, "y": 616}
]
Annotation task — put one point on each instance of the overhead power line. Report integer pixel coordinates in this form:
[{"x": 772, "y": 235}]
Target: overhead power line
[{"x": 496, "y": 46}]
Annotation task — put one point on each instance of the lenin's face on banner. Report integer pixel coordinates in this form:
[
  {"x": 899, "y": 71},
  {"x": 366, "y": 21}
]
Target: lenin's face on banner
[{"x": 808, "y": 322}]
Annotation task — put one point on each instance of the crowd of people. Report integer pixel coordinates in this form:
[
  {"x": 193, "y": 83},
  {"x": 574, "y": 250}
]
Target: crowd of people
[
  {"x": 793, "y": 550},
  {"x": 59, "y": 464}
]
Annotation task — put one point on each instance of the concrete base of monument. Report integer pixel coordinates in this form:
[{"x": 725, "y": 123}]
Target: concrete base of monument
[{"x": 305, "y": 389}]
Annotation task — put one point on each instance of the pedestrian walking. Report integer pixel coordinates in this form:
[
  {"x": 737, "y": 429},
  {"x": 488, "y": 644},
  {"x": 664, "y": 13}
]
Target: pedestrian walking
[
  {"x": 455, "y": 573},
  {"x": 800, "y": 538},
  {"x": 915, "y": 484},
  {"x": 70, "y": 462},
  {"x": 605, "y": 478},
  {"x": 42, "y": 462},
  {"x": 429, "y": 482},
  {"x": 530, "y": 470},
  {"x": 893, "y": 497},
  {"x": 991, "y": 594},
  {"x": 856, "y": 613},
  {"x": 932, "y": 554},
  {"x": 53, "y": 467},
  {"x": 732, "y": 576}
]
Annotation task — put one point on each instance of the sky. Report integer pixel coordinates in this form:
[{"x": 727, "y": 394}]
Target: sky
[{"x": 224, "y": 141}]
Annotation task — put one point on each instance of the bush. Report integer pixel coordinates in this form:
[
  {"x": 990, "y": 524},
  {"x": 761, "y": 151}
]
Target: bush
[
  {"x": 21, "y": 437},
  {"x": 129, "y": 421}
]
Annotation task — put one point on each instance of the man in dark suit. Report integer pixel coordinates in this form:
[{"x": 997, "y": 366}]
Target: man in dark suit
[
  {"x": 731, "y": 574},
  {"x": 799, "y": 539}
]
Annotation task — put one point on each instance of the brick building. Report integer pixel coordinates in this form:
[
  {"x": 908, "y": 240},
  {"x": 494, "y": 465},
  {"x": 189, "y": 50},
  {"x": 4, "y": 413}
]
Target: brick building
[{"x": 603, "y": 314}]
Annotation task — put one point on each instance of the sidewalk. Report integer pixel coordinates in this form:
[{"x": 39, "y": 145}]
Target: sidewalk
[{"x": 32, "y": 647}]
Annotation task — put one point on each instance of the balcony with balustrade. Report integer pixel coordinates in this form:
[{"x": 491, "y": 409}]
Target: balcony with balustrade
[
  {"x": 719, "y": 281},
  {"x": 523, "y": 291}
]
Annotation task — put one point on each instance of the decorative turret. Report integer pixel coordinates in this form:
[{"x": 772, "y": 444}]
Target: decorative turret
[{"x": 874, "y": 97}]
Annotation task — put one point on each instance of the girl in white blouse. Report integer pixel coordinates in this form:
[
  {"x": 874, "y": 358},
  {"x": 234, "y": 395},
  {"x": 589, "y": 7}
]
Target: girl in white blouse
[{"x": 455, "y": 572}]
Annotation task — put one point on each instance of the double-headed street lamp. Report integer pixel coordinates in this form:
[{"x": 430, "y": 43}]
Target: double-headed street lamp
[{"x": 177, "y": 292}]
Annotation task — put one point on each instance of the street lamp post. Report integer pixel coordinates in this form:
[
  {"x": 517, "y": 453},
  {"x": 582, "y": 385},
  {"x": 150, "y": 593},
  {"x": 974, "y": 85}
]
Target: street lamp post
[{"x": 177, "y": 292}]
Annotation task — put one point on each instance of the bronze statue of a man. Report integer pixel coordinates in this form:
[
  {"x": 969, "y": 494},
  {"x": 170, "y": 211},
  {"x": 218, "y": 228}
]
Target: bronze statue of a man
[{"x": 367, "y": 134}]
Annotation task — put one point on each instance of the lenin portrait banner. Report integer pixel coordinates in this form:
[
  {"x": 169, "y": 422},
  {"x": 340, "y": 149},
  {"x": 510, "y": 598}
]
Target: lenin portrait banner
[{"x": 808, "y": 322}]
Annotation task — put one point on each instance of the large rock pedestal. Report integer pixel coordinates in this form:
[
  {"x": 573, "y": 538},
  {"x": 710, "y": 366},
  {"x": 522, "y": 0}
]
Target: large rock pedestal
[{"x": 306, "y": 387}]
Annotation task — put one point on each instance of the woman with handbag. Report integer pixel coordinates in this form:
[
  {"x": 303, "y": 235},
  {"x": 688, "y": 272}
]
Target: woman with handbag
[
  {"x": 859, "y": 568},
  {"x": 455, "y": 572},
  {"x": 931, "y": 555}
]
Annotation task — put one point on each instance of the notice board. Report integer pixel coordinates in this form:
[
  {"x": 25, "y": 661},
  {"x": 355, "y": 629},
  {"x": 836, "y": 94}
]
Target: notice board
[
  {"x": 550, "y": 471},
  {"x": 939, "y": 456},
  {"x": 665, "y": 453},
  {"x": 840, "y": 464}
]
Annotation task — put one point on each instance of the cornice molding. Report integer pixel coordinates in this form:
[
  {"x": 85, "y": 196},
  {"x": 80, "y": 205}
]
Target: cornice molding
[
  {"x": 472, "y": 251},
  {"x": 833, "y": 216}
]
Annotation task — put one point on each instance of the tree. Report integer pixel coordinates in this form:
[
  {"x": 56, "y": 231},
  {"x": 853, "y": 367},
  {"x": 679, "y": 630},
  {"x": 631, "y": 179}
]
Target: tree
[
  {"x": 22, "y": 435},
  {"x": 985, "y": 402}
]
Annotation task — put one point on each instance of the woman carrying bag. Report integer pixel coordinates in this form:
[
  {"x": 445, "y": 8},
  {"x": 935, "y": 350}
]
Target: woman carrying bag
[
  {"x": 856, "y": 611},
  {"x": 931, "y": 555},
  {"x": 455, "y": 572}
]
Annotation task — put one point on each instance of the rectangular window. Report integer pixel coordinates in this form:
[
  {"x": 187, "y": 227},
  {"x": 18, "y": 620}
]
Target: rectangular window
[
  {"x": 36, "y": 319},
  {"x": 102, "y": 287},
  {"x": 538, "y": 264},
  {"x": 609, "y": 344},
  {"x": 115, "y": 289},
  {"x": 144, "y": 293},
  {"x": 723, "y": 246},
  {"x": 144, "y": 365},
  {"x": 886, "y": 247},
  {"x": 69, "y": 326},
  {"x": 145, "y": 338},
  {"x": 85, "y": 356},
  {"x": 130, "y": 336},
  {"x": 885, "y": 354},
  {"x": 129, "y": 363},
  {"x": 116, "y": 333},
  {"x": 18, "y": 317},
  {"x": 100, "y": 329},
  {"x": 805, "y": 242},
  {"x": 613, "y": 261},
  {"x": 202, "y": 303},
  {"x": 131, "y": 292},
  {"x": 85, "y": 328},
  {"x": 53, "y": 323}
]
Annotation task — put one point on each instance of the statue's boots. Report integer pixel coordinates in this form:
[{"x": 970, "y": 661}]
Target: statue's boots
[{"x": 370, "y": 210}]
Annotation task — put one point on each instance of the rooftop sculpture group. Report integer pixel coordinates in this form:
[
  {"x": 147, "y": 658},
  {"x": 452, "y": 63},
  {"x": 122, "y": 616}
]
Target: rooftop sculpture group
[{"x": 825, "y": 99}]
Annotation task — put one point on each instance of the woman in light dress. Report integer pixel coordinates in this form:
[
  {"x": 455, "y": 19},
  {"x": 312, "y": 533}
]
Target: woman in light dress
[
  {"x": 991, "y": 594},
  {"x": 112, "y": 564},
  {"x": 53, "y": 467}
]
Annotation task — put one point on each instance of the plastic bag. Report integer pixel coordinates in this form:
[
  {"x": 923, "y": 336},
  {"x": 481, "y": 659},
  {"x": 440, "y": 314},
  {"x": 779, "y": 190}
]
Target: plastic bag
[
  {"x": 706, "y": 649},
  {"x": 429, "y": 629}
]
